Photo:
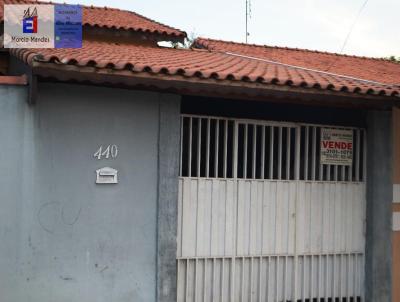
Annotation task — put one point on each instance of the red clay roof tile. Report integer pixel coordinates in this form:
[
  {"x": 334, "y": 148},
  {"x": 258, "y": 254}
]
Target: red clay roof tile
[
  {"x": 111, "y": 18},
  {"x": 200, "y": 64},
  {"x": 372, "y": 69}
]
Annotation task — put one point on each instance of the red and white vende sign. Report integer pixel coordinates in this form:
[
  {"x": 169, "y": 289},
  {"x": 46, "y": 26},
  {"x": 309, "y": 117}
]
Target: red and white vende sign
[{"x": 336, "y": 147}]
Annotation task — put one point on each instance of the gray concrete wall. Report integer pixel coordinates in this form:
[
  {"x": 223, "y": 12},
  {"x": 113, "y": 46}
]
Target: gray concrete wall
[
  {"x": 378, "y": 268},
  {"x": 64, "y": 238},
  {"x": 169, "y": 156}
]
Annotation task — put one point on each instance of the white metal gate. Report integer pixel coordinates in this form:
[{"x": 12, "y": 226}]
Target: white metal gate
[{"x": 261, "y": 220}]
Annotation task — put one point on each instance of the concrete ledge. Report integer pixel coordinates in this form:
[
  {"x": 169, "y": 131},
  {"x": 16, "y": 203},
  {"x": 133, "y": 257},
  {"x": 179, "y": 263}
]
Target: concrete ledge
[{"x": 14, "y": 80}]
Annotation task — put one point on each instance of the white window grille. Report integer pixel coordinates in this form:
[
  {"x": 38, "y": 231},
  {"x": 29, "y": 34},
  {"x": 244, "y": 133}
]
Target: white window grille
[{"x": 214, "y": 147}]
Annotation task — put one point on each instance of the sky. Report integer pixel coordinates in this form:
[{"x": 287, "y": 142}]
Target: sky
[{"x": 311, "y": 24}]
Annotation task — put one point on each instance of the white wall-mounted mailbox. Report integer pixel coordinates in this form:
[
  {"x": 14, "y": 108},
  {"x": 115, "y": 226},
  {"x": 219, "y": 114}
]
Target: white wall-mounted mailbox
[{"x": 106, "y": 175}]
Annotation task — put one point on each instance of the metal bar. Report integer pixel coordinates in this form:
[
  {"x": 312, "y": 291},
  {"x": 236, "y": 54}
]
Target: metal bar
[
  {"x": 199, "y": 148},
  {"x": 232, "y": 280},
  {"x": 303, "y": 288},
  {"x": 333, "y": 275},
  {"x": 187, "y": 280},
  {"x": 277, "y": 280},
  {"x": 306, "y": 144},
  {"x": 348, "y": 276},
  {"x": 365, "y": 156},
  {"x": 288, "y": 147},
  {"x": 361, "y": 278},
  {"x": 245, "y": 151},
  {"x": 251, "y": 279},
  {"x": 340, "y": 277},
  {"x": 314, "y": 153},
  {"x": 181, "y": 149},
  {"x": 179, "y": 273},
  {"x": 326, "y": 277},
  {"x": 269, "y": 278},
  {"x": 208, "y": 149},
  {"x": 321, "y": 166},
  {"x": 216, "y": 149},
  {"x": 260, "y": 278},
  {"x": 311, "y": 278},
  {"x": 319, "y": 277},
  {"x": 242, "y": 283},
  {"x": 190, "y": 148},
  {"x": 235, "y": 151},
  {"x": 297, "y": 154},
  {"x": 225, "y": 148},
  {"x": 263, "y": 153},
  {"x": 222, "y": 279},
  {"x": 328, "y": 172},
  {"x": 343, "y": 176},
  {"x": 358, "y": 149},
  {"x": 195, "y": 280},
  {"x": 280, "y": 154},
  {"x": 213, "y": 280},
  {"x": 355, "y": 277},
  {"x": 285, "y": 280},
  {"x": 271, "y": 153},
  {"x": 254, "y": 152},
  {"x": 205, "y": 281},
  {"x": 295, "y": 269},
  {"x": 335, "y": 173}
]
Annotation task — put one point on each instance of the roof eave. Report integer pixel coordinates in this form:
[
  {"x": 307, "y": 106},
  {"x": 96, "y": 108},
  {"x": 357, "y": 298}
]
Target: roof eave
[{"x": 211, "y": 87}]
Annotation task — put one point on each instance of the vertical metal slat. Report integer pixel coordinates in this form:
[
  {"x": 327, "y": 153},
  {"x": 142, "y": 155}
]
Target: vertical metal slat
[
  {"x": 225, "y": 148},
  {"x": 306, "y": 145},
  {"x": 288, "y": 149},
  {"x": 208, "y": 148},
  {"x": 181, "y": 147},
  {"x": 314, "y": 153},
  {"x": 271, "y": 153},
  {"x": 245, "y": 151},
  {"x": 254, "y": 152},
  {"x": 199, "y": 148},
  {"x": 263, "y": 153},
  {"x": 216, "y": 149},
  {"x": 190, "y": 148},
  {"x": 280, "y": 154}
]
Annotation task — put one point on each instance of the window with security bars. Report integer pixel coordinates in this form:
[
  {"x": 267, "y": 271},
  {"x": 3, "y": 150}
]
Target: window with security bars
[{"x": 214, "y": 147}]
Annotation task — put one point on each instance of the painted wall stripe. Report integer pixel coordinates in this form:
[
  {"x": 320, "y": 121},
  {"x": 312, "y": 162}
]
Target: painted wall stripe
[
  {"x": 396, "y": 221},
  {"x": 396, "y": 193}
]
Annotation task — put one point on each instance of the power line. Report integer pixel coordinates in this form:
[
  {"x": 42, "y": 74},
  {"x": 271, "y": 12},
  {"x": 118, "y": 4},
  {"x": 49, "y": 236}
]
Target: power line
[
  {"x": 353, "y": 25},
  {"x": 350, "y": 31}
]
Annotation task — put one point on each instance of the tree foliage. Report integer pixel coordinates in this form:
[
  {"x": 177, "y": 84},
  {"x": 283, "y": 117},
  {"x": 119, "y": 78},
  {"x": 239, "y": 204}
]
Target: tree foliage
[{"x": 393, "y": 59}]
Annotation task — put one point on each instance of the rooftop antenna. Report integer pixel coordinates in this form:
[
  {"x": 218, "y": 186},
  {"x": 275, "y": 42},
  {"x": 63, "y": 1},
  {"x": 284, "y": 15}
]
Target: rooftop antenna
[{"x": 248, "y": 15}]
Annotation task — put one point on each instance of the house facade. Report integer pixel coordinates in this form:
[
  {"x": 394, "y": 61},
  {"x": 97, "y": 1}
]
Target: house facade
[{"x": 134, "y": 172}]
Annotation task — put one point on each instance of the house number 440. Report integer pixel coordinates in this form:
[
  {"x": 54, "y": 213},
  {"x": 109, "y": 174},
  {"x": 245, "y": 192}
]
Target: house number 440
[{"x": 110, "y": 151}]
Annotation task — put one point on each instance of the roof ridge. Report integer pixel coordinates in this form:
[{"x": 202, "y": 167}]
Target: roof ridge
[
  {"x": 297, "y": 49},
  {"x": 174, "y": 31},
  {"x": 134, "y": 13}
]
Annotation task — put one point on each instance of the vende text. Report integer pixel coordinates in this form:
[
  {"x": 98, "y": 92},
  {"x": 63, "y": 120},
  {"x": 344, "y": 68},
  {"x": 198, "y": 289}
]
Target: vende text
[{"x": 337, "y": 145}]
